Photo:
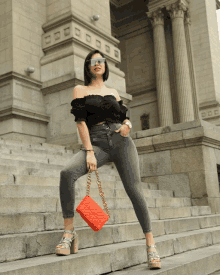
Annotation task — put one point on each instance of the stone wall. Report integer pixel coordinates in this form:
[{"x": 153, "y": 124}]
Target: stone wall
[{"x": 183, "y": 158}]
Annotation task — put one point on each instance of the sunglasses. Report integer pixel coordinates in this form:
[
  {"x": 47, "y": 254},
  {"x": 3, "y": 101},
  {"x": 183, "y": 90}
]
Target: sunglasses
[{"x": 98, "y": 60}]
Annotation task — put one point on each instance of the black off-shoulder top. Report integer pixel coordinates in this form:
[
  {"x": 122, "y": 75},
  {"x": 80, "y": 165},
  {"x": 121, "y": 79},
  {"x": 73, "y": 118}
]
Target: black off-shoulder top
[{"x": 96, "y": 108}]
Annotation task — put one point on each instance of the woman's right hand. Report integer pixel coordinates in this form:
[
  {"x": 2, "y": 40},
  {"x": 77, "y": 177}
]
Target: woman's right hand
[{"x": 91, "y": 161}]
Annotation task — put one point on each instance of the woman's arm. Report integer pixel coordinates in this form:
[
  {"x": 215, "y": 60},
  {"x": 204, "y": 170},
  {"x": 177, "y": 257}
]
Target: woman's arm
[
  {"x": 118, "y": 99},
  {"x": 81, "y": 125},
  {"x": 84, "y": 135}
]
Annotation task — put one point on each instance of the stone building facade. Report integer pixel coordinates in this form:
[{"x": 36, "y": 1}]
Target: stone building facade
[{"x": 164, "y": 61}]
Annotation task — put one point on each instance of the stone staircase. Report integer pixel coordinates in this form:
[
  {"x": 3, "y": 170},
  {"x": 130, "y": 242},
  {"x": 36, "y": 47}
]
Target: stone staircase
[{"x": 31, "y": 222}]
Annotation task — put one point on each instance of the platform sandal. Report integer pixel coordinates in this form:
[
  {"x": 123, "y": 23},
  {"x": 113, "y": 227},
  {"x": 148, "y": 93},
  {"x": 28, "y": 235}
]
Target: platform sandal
[
  {"x": 153, "y": 255},
  {"x": 69, "y": 245}
]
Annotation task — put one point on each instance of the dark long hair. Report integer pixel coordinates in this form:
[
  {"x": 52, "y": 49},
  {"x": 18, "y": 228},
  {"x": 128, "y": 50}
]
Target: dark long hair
[{"x": 87, "y": 69}]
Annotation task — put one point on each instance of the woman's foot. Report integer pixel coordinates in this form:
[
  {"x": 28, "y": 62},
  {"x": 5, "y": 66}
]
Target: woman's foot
[
  {"x": 150, "y": 241},
  {"x": 65, "y": 235},
  {"x": 153, "y": 249},
  {"x": 68, "y": 244}
]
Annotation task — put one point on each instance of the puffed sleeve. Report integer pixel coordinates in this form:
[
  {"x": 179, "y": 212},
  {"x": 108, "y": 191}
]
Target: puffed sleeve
[
  {"x": 79, "y": 109},
  {"x": 124, "y": 109}
]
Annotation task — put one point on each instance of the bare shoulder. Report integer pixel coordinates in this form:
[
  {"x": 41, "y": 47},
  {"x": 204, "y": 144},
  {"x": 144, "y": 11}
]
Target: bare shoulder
[
  {"x": 116, "y": 94},
  {"x": 78, "y": 92}
]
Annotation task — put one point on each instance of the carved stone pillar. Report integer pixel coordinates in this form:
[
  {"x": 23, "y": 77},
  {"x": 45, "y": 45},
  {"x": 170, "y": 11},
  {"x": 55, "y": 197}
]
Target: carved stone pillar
[
  {"x": 192, "y": 66},
  {"x": 184, "y": 94},
  {"x": 162, "y": 70}
]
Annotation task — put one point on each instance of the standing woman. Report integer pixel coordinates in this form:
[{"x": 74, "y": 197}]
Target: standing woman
[{"x": 104, "y": 129}]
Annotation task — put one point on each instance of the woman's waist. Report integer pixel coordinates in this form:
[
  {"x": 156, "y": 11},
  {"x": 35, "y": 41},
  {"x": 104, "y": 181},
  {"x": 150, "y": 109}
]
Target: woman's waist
[
  {"x": 105, "y": 127},
  {"x": 93, "y": 120},
  {"x": 100, "y": 123},
  {"x": 106, "y": 121}
]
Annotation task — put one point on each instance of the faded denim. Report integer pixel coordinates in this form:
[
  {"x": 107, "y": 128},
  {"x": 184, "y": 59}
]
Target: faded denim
[{"x": 108, "y": 146}]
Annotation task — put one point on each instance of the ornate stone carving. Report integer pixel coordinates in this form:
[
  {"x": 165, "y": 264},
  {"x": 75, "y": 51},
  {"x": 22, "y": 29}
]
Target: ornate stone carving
[
  {"x": 47, "y": 39},
  {"x": 187, "y": 17},
  {"x": 176, "y": 10},
  {"x": 57, "y": 35},
  {"x": 77, "y": 32},
  {"x": 70, "y": 25},
  {"x": 107, "y": 48},
  {"x": 67, "y": 31},
  {"x": 88, "y": 38},
  {"x": 154, "y": 5},
  {"x": 156, "y": 18},
  {"x": 98, "y": 44}
]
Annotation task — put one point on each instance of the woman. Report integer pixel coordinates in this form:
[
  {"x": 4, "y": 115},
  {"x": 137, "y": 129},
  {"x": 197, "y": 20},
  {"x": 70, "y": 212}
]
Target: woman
[{"x": 104, "y": 130}]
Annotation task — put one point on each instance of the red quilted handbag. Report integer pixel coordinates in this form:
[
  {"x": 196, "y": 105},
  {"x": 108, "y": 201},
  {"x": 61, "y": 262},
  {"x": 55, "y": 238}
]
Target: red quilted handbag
[{"x": 90, "y": 211}]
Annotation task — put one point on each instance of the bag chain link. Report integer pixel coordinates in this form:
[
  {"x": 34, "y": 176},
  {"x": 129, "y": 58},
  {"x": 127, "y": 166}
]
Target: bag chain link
[{"x": 100, "y": 190}]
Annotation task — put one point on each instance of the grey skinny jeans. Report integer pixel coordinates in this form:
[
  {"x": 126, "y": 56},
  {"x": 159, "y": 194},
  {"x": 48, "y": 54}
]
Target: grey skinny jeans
[{"x": 108, "y": 146}]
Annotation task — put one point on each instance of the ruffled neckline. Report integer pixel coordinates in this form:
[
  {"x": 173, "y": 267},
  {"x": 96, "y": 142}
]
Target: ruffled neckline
[{"x": 98, "y": 95}]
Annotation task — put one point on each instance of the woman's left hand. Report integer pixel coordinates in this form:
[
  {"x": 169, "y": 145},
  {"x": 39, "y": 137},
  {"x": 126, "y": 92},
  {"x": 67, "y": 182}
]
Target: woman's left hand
[{"x": 124, "y": 130}]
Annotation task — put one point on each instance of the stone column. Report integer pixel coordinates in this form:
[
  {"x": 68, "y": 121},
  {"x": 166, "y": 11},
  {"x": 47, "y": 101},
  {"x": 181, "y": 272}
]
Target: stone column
[
  {"x": 162, "y": 70},
  {"x": 184, "y": 95},
  {"x": 192, "y": 66}
]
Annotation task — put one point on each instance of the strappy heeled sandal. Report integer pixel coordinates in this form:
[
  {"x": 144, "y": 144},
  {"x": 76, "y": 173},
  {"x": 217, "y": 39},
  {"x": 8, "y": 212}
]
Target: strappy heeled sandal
[
  {"x": 69, "y": 245},
  {"x": 153, "y": 255}
]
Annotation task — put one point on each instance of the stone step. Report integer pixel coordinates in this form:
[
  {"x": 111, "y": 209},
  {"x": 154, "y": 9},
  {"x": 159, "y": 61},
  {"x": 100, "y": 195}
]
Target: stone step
[
  {"x": 34, "y": 149},
  {"x": 43, "y": 153},
  {"x": 14, "y": 205},
  {"x": 45, "y": 224},
  {"x": 193, "y": 252},
  {"x": 52, "y": 148},
  {"x": 110, "y": 191},
  {"x": 46, "y": 170},
  {"x": 109, "y": 181},
  {"x": 21, "y": 151},
  {"x": 30, "y": 222},
  {"x": 200, "y": 261},
  {"x": 42, "y": 157},
  {"x": 59, "y": 161},
  {"x": 37, "y": 169},
  {"x": 24, "y": 164},
  {"x": 43, "y": 170}
]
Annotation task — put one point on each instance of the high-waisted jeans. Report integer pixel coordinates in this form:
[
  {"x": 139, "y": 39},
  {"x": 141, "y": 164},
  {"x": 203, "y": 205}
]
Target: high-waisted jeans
[{"x": 108, "y": 146}]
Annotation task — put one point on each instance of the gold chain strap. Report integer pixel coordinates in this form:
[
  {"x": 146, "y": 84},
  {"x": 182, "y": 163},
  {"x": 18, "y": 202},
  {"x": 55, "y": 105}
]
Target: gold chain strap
[{"x": 100, "y": 190}]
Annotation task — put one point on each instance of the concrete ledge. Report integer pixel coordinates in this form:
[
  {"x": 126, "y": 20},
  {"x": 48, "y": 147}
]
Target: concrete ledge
[
  {"x": 197, "y": 132},
  {"x": 175, "y": 127}
]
